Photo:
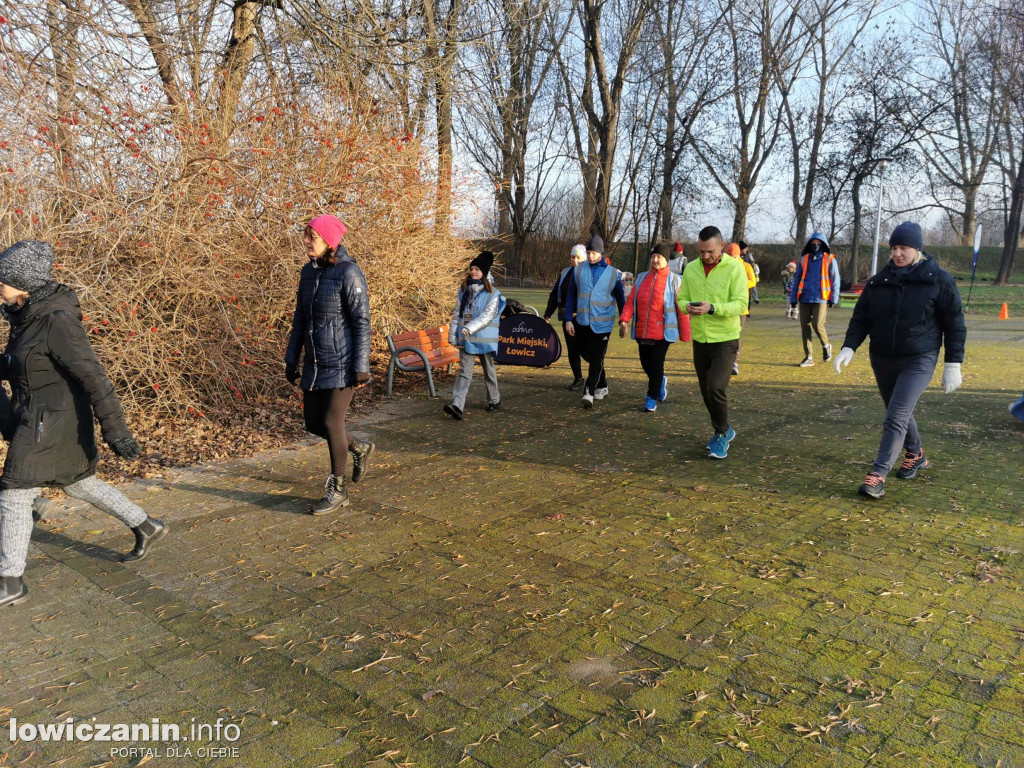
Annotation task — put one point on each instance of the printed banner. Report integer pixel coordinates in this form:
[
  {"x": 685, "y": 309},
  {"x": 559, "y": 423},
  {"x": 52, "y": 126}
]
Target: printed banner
[{"x": 526, "y": 339}]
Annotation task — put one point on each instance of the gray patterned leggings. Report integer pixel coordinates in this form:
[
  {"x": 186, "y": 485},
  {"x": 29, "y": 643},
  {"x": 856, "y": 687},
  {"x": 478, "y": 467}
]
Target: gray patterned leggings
[{"x": 16, "y": 517}]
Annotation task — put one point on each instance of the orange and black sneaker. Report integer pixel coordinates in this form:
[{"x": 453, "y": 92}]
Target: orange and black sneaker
[
  {"x": 873, "y": 486},
  {"x": 911, "y": 463}
]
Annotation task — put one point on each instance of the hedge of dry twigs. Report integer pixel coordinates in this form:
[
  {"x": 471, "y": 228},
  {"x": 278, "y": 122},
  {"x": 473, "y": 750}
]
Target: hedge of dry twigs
[{"x": 186, "y": 260}]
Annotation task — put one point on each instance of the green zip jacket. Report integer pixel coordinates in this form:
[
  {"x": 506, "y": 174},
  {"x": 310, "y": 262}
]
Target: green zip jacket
[{"x": 725, "y": 288}]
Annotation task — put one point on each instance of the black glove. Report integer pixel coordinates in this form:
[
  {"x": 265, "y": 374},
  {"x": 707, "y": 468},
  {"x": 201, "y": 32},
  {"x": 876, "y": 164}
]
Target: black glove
[
  {"x": 362, "y": 377},
  {"x": 126, "y": 448},
  {"x": 291, "y": 372},
  {"x": 831, "y": 304},
  {"x": 792, "y": 306}
]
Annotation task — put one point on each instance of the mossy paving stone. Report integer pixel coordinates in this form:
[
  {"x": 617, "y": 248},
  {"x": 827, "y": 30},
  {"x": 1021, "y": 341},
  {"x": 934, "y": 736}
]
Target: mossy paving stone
[{"x": 734, "y": 568}]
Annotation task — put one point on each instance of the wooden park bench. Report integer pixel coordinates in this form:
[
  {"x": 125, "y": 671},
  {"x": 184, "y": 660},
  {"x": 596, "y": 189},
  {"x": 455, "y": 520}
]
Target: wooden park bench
[
  {"x": 414, "y": 351},
  {"x": 852, "y": 294}
]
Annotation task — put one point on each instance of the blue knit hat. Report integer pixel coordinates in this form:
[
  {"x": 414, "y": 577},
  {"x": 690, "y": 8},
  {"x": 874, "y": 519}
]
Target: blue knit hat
[{"x": 908, "y": 234}]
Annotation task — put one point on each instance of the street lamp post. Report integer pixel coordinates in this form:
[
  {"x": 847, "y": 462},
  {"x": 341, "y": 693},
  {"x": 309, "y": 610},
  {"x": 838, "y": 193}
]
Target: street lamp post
[{"x": 883, "y": 163}]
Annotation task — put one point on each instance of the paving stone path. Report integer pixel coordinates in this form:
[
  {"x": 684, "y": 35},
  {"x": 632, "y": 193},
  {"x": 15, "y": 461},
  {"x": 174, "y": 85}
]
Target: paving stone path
[{"x": 548, "y": 586}]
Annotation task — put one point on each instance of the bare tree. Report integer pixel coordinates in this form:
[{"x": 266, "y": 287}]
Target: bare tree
[
  {"x": 764, "y": 41},
  {"x": 689, "y": 74},
  {"x": 834, "y": 28},
  {"x": 603, "y": 113},
  {"x": 960, "y": 89},
  {"x": 1012, "y": 90},
  {"x": 507, "y": 70},
  {"x": 877, "y": 121}
]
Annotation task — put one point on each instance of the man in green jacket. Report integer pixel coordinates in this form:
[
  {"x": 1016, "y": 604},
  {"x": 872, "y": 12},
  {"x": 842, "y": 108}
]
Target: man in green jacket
[{"x": 714, "y": 294}]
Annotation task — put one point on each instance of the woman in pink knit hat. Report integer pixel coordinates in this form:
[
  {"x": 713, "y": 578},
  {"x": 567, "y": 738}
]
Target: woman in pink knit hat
[{"x": 331, "y": 336}]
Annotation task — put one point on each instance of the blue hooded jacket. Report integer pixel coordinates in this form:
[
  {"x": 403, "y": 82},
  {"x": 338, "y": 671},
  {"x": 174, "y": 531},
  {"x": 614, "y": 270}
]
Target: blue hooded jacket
[{"x": 811, "y": 293}]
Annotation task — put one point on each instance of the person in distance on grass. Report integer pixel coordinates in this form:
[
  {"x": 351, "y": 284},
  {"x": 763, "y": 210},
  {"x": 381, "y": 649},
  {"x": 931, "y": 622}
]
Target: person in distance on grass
[
  {"x": 58, "y": 387},
  {"x": 595, "y": 299},
  {"x": 474, "y": 330},
  {"x": 788, "y": 272},
  {"x": 714, "y": 293},
  {"x": 657, "y": 322},
  {"x": 331, "y": 336},
  {"x": 910, "y": 309},
  {"x": 556, "y": 301},
  {"x": 815, "y": 287}
]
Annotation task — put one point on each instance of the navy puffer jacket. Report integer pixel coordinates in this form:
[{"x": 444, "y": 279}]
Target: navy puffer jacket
[
  {"x": 331, "y": 324},
  {"x": 910, "y": 312}
]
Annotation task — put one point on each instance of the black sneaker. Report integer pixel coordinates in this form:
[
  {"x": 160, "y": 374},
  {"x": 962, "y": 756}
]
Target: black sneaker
[
  {"x": 493, "y": 406},
  {"x": 873, "y": 486},
  {"x": 576, "y": 385},
  {"x": 361, "y": 451},
  {"x": 912, "y": 463},
  {"x": 454, "y": 411},
  {"x": 335, "y": 497},
  {"x": 826, "y": 352}
]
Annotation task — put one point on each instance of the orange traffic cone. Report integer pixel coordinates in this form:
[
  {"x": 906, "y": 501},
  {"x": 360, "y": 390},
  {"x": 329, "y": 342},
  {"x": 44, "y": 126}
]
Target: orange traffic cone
[{"x": 1004, "y": 313}]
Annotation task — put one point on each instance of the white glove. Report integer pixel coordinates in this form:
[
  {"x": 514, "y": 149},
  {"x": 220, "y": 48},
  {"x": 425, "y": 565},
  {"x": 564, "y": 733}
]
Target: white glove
[
  {"x": 842, "y": 359},
  {"x": 951, "y": 378}
]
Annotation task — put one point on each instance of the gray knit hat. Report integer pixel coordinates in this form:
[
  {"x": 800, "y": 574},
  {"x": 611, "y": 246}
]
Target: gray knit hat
[{"x": 27, "y": 265}]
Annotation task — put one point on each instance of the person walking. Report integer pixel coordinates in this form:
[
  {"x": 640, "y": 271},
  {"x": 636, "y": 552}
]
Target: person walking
[
  {"x": 678, "y": 261},
  {"x": 733, "y": 249},
  {"x": 474, "y": 330},
  {"x": 656, "y": 321},
  {"x": 556, "y": 303},
  {"x": 748, "y": 257},
  {"x": 788, "y": 272},
  {"x": 331, "y": 335},
  {"x": 713, "y": 293},
  {"x": 815, "y": 287},
  {"x": 910, "y": 309},
  {"x": 58, "y": 387},
  {"x": 595, "y": 299}
]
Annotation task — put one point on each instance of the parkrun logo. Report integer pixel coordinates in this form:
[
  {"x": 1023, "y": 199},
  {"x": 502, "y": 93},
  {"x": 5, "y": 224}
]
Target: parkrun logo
[
  {"x": 153, "y": 732},
  {"x": 522, "y": 328}
]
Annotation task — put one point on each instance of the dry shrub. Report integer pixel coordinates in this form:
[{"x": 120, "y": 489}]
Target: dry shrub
[{"x": 185, "y": 252}]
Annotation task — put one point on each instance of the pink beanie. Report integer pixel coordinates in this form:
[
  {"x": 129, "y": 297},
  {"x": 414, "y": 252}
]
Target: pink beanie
[{"x": 329, "y": 228}]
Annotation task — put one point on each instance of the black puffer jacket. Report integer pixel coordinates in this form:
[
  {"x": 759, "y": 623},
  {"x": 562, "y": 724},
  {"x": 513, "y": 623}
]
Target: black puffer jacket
[
  {"x": 58, "y": 385},
  {"x": 332, "y": 324},
  {"x": 910, "y": 313}
]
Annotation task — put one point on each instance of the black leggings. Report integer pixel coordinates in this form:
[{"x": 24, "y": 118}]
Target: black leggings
[
  {"x": 325, "y": 411},
  {"x": 652, "y": 360}
]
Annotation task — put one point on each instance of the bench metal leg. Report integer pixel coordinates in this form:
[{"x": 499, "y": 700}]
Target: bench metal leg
[{"x": 391, "y": 376}]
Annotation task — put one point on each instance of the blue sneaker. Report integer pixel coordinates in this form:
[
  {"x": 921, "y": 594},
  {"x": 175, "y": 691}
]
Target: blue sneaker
[
  {"x": 730, "y": 433},
  {"x": 650, "y": 404},
  {"x": 664, "y": 389},
  {"x": 718, "y": 447}
]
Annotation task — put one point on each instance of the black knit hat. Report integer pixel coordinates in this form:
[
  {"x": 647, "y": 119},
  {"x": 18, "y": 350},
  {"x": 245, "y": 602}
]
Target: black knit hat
[
  {"x": 662, "y": 249},
  {"x": 483, "y": 261},
  {"x": 909, "y": 234},
  {"x": 27, "y": 265},
  {"x": 596, "y": 244}
]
